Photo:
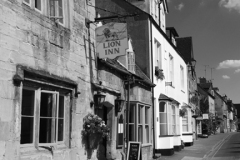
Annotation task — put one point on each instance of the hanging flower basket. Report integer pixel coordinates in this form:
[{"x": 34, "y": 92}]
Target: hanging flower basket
[
  {"x": 182, "y": 112},
  {"x": 94, "y": 129},
  {"x": 159, "y": 73}
]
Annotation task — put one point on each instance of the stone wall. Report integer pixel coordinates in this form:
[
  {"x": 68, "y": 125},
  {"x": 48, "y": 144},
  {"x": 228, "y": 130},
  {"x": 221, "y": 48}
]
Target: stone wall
[{"x": 29, "y": 38}]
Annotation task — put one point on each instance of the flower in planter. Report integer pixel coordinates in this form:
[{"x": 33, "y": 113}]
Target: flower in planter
[
  {"x": 94, "y": 124},
  {"x": 94, "y": 130},
  {"x": 159, "y": 73},
  {"x": 182, "y": 112}
]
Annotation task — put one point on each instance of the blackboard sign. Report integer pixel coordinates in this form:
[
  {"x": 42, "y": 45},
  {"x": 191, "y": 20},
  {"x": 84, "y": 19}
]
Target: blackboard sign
[{"x": 133, "y": 151}]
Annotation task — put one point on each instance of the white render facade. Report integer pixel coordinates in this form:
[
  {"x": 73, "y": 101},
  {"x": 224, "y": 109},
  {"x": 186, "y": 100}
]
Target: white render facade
[{"x": 168, "y": 124}]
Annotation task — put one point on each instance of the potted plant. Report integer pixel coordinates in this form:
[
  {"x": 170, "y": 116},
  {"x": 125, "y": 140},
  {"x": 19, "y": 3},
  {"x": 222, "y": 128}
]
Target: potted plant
[
  {"x": 94, "y": 129},
  {"x": 159, "y": 73},
  {"x": 182, "y": 112}
]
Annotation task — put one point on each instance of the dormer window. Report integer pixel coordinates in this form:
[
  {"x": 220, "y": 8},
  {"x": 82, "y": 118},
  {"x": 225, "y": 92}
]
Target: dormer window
[{"x": 131, "y": 61}]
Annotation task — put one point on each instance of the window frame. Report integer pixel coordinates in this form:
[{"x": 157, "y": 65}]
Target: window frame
[
  {"x": 56, "y": 18},
  {"x": 131, "y": 61},
  {"x": 188, "y": 121},
  {"x": 37, "y": 117},
  {"x": 165, "y": 112},
  {"x": 171, "y": 69},
  {"x": 136, "y": 123},
  {"x": 28, "y": 4},
  {"x": 158, "y": 54},
  {"x": 182, "y": 77},
  {"x": 36, "y": 9}
]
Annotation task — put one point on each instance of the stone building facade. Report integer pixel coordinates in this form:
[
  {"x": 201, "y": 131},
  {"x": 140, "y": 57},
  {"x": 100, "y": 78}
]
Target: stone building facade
[{"x": 47, "y": 64}]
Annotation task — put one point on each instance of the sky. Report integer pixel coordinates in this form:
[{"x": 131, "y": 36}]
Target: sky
[{"x": 214, "y": 26}]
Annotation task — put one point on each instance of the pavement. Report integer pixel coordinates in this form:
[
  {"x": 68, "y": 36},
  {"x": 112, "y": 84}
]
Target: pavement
[{"x": 202, "y": 149}]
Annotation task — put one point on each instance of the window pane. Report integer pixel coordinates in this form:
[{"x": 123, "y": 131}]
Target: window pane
[
  {"x": 163, "y": 129},
  {"x": 61, "y": 107},
  {"x": 47, "y": 130},
  {"x": 47, "y": 107},
  {"x": 147, "y": 133},
  {"x": 140, "y": 134},
  {"x": 27, "y": 116},
  {"x": 38, "y": 4},
  {"x": 27, "y": 130},
  {"x": 131, "y": 113},
  {"x": 131, "y": 133},
  {"x": 60, "y": 129},
  {"x": 140, "y": 112},
  {"x": 162, "y": 107},
  {"x": 185, "y": 128},
  {"x": 163, "y": 117},
  {"x": 28, "y": 102},
  {"x": 60, "y": 8},
  {"x": 147, "y": 115}
]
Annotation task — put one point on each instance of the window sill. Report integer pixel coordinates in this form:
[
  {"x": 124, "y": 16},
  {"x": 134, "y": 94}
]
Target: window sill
[
  {"x": 187, "y": 134},
  {"x": 146, "y": 145},
  {"x": 30, "y": 149},
  {"x": 166, "y": 136}
]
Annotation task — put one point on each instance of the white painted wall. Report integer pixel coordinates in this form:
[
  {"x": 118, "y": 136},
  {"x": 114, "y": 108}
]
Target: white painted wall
[{"x": 176, "y": 92}]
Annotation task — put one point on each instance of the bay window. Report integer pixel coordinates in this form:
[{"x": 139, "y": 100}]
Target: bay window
[
  {"x": 163, "y": 118},
  {"x": 139, "y": 123},
  {"x": 168, "y": 115},
  {"x": 186, "y": 121}
]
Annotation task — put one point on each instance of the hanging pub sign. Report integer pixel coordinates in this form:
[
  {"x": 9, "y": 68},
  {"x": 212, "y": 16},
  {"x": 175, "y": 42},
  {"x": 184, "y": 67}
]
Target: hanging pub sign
[
  {"x": 134, "y": 149},
  {"x": 112, "y": 40}
]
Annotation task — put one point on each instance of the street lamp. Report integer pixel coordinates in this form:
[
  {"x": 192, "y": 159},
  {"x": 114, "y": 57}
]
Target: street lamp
[
  {"x": 119, "y": 103},
  {"x": 99, "y": 98}
]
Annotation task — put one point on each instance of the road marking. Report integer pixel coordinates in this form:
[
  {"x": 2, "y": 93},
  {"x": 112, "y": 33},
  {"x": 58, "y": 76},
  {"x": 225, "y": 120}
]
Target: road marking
[{"x": 191, "y": 158}]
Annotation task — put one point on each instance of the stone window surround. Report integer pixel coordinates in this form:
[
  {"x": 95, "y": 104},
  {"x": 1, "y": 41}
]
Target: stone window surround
[
  {"x": 45, "y": 10},
  {"x": 25, "y": 75}
]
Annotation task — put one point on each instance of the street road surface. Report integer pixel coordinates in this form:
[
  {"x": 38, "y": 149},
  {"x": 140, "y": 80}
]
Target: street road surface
[{"x": 222, "y": 146}]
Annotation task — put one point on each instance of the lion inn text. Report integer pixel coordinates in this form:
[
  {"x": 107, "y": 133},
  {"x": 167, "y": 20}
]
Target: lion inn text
[{"x": 112, "y": 47}]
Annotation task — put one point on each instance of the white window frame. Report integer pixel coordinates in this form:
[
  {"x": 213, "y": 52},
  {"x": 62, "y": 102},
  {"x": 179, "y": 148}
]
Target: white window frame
[
  {"x": 29, "y": 4},
  {"x": 158, "y": 54},
  {"x": 45, "y": 10},
  {"x": 162, "y": 114},
  {"x": 139, "y": 109},
  {"x": 36, "y": 121},
  {"x": 171, "y": 69},
  {"x": 131, "y": 61},
  {"x": 174, "y": 118},
  {"x": 57, "y": 17},
  {"x": 182, "y": 77},
  {"x": 187, "y": 118},
  {"x": 42, "y": 6}
]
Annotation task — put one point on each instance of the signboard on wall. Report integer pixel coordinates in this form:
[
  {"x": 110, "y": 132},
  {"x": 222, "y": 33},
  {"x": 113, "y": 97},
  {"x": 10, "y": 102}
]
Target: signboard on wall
[
  {"x": 112, "y": 40},
  {"x": 205, "y": 116},
  {"x": 134, "y": 149}
]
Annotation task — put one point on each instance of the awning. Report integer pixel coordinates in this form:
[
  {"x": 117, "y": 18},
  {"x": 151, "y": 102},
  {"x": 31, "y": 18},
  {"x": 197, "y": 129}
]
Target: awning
[{"x": 163, "y": 97}]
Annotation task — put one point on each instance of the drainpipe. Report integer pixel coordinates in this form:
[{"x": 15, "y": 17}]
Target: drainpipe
[{"x": 153, "y": 113}]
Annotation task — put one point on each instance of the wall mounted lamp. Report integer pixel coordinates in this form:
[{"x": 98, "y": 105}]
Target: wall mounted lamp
[
  {"x": 99, "y": 98},
  {"x": 191, "y": 65},
  {"x": 119, "y": 103}
]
